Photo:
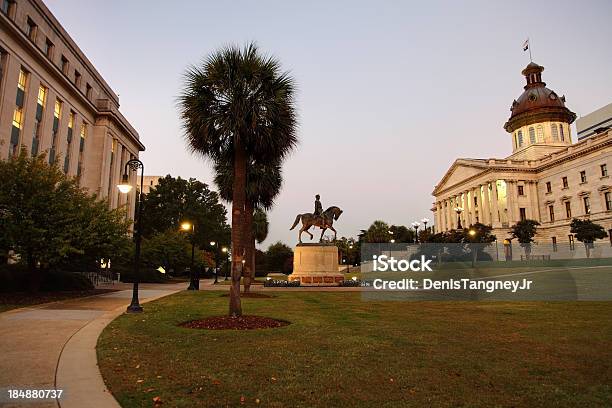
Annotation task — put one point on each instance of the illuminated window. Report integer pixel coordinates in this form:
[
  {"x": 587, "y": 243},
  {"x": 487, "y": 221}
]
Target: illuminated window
[
  {"x": 555, "y": 132},
  {"x": 18, "y": 118},
  {"x": 23, "y": 79},
  {"x": 587, "y": 205},
  {"x": 71, "y": 120},
  {"x": 58, "y": 109},
  {"x": 42, "y": 96},
  {"x": 532, "y": 137}
]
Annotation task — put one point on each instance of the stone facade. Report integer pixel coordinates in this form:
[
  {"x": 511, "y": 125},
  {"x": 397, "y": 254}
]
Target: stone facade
[
  {"x": 547, "y": 178},
  {"x": 54, "y": 101}
]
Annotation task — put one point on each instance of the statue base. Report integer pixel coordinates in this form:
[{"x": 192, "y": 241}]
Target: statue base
[{"x": 316, "y": 265}]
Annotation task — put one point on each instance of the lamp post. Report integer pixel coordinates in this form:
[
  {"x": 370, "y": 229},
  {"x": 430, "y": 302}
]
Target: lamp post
[
  {"x": 188, "y": 226},
  {"x": 425, "y": 221},
  {"x": 125, "y": 187},
  {"x": 459, "y": 210},
  {"x": 215, "y": 248},
  {"x": 225, "y": 250},
  {"x": 416, "y": 226}
]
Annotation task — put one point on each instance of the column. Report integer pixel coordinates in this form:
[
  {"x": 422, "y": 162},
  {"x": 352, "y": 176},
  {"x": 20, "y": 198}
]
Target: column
[
  {"x": 534, "y": 201},
  {"x": 437, "y": 217},
  {"x": 475, "y": 209},
  {"x": 486, "y": 205},
  {"x": 495, "y": 207}
]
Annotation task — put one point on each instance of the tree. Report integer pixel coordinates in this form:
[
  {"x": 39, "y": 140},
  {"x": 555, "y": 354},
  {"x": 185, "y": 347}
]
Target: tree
[
  {"x": 378, "y": 232},
  {"x": 48, "y": 220},
  {"x": 350, "y": 249},
  {"x": 524, "y": 231},
  {"x": 278, "y": 257},
  {"x": 401, "y": 233},
  {"x": 239, "y": 106},
  {"x": 264, "y": 182},
  {"x": 588, "y": 232},
  {"x": 175, "y": 200}
]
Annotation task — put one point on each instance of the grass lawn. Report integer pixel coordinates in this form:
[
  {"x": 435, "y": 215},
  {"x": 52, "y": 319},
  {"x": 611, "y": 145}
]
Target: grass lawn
[
  {"x": 342, "y": 351},
  {"x": 16, "y": 300}
]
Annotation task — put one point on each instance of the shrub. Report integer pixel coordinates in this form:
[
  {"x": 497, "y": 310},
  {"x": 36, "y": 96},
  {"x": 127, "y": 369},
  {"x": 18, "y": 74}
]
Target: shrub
[
  {"x": 275, "y": 283},
  {"x": 16, "y": 278}
]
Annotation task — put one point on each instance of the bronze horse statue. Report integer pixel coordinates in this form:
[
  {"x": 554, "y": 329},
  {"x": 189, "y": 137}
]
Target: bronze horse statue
[{"x": 323, "y": 221}]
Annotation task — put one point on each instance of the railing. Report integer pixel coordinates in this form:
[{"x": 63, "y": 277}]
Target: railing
[{"x": 98, "y": 278}]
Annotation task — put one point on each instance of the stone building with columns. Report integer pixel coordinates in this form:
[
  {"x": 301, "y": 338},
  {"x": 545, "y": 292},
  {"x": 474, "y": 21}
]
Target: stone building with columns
[
  {"x": 547, "y": 177},
  {"x": 54, "y": 101}
]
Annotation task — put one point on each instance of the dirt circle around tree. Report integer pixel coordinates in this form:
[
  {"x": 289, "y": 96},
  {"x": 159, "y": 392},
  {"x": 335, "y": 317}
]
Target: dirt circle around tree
[
  {"x": 245, "y": 322},
  {"x": 251, "y": 295}
]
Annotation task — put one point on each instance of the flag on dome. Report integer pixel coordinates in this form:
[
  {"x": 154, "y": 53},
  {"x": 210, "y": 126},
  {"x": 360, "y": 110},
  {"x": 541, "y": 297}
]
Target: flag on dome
[{"x": 526, "y": 45}]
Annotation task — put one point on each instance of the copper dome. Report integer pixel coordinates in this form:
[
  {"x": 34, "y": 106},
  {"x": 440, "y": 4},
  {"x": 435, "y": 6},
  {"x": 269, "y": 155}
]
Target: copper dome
[{"x": 537, "y": 103}]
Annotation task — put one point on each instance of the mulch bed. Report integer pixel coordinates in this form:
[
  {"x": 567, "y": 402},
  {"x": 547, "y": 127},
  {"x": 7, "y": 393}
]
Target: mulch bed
[
  {"x": 235, "y": 323},
  {"x": 254, "y": 295}
]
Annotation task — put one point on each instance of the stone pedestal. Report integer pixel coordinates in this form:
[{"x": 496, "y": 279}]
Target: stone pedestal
[{"x": 316, "y": 265}]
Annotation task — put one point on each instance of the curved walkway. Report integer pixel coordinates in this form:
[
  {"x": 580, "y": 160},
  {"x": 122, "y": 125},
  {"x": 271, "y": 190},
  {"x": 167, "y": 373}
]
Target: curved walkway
[{"x": 53, "y": 346}]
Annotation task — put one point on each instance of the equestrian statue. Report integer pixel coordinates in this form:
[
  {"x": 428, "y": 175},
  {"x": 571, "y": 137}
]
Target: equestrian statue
[{"x": 322, "y": 219}]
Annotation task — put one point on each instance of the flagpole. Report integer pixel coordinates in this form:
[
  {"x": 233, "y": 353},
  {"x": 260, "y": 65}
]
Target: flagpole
[{"x": 529, "y": 45}]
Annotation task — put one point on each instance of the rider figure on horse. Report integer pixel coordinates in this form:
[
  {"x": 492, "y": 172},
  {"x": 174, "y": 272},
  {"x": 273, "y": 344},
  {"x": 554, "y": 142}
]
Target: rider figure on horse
[{"x": 318, "y": 210}]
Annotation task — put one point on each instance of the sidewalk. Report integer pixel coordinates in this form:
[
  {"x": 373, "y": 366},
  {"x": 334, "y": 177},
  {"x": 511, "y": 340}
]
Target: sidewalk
[{"x": 52, "y": 346}]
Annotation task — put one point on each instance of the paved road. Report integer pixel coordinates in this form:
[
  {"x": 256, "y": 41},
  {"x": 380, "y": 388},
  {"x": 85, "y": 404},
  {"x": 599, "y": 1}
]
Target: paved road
[{"x": 53, "y": 345}]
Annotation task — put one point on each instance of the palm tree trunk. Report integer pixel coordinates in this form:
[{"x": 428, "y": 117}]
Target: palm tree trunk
[
  {"x": 238, "y": 247},
  {"x": 249, "y": 270}
]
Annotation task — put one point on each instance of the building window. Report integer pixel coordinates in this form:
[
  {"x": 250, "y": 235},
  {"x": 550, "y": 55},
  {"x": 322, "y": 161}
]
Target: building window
[
  {"x": 31, "y": 29},
  {"x": 40, "y": 106},
  {"x": 475, "y": 201},
  {"x": 551, "y": 213},
  {"x": 610, "y": 236},
  {"x": 71, "y": 120},
  {"x": 548, "y": 187},
  {"x": 608, "y": 198},
  {"x": 523, "y": 214},
  {"x": 49, "y": 47},
  {"x": 568, "y": 209},
  {"x": 532, "y": 137},
  {"x": 555, "y": 132},
  {"x": 77, "y": 78},
  {"x": 540, "y": 131},
  {"x": 564, "y": 180},
  {"x": 521, "y": 190},
  {"x": 562, "y": 134},
  {"x": 65, "y": 65},
  {"x": 587, "y": 205},
  {"x": 8, "y": 8},
  {"x": 583, "y": 178},
  {"x": 83, "y": 134},
  {"x": 571, "y": 242},
  {"x": 57, "y": 114},
  {"x": 554, "y": 244},
  {"x": 604, "y": 170},
  {"x": 88, "y": 90},
  {"x": 16, "y": 131},
  {"x": 520, "y": 137}
]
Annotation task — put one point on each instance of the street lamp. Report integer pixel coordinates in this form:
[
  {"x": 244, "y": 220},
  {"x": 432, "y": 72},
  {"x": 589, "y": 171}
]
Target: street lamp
[
  {"x": 459, "y": 210},
  {"x": 188, "y": 226},
  {"x": 226, "y": 251},
  {"x": 125, "y": 187},
  {"x": 425, "y": 221},
  {"x": 416, "y": 226},
  {"x": 215, "y": 247}
]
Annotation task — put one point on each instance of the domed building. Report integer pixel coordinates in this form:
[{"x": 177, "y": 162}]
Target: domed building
[{"x": 547, "y": 177}]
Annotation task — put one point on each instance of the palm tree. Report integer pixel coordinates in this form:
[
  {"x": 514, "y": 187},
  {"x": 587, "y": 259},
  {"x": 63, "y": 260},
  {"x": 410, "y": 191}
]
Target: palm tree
[
  {"x": 264, "y": 181},
  {"x": 237, "y": 106}
]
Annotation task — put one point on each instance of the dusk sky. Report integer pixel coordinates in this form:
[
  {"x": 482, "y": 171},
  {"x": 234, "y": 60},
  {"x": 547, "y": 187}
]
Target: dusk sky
[{"x": 390, "y": 93}]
